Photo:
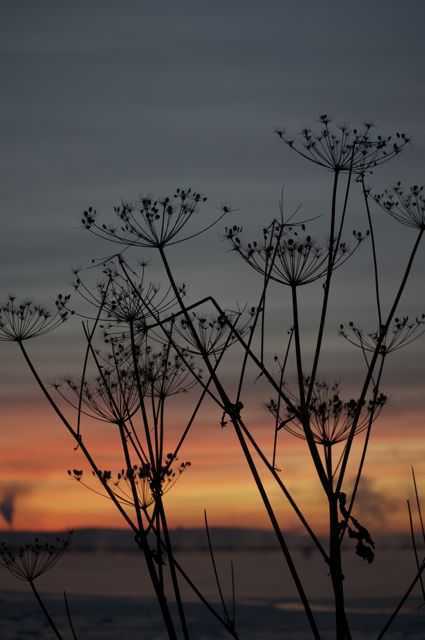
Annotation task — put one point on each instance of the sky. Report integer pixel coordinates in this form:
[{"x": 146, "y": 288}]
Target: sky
[{"x": 103, "y": 101}]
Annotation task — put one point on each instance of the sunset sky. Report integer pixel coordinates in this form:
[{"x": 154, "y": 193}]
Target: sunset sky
[{"x": 103, "y": 100}]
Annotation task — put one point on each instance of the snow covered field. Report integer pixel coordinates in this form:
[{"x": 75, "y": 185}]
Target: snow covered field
[{"x": 110, "y": 597}]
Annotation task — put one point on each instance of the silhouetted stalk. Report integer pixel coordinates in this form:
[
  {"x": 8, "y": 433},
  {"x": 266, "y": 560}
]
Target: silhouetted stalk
[
  {"x": 401, "y": 603},
  {"x": 364, "y": 450},
  {"x": 156, "y": 578},
  {"x": 145, "y": 420},
  {"x": 217, "y": 579},
  {"x": 202, "y": 598},
  {"x": 276, "y": 527},
  {"x": 83, "y": 373},
  {"x": 89, "y": 336},
  {"x": 335, "y": 565},
  {"x": 249, "y": 436},
  {"x": 285, "y": 491},
  {"x": 157, "y": 583},
  {"x": 244, "y": 345},
  {"x": 155, "y": 427},
  {"x": 162, "y": 423},
  {"x": 259, "y": 309},
  {"x": 233, "y": 413},
  {"x": 327, "y": 287},
  {"x": 233, "y": 594},
  {"x": 244, "y": 428},
  {"x": 267, "y": 272},
  {"x": 193, "y": 416},
  {"x": 415, "y": 549},
  {"x": 374, "y": 358},
  {"x": 167, "y": 543},
  {"x": 418, "y": 504},
  {"x": 174, "y": 580},
  {"x": 76, "y": 437},
  {"x": 298, "y": 356},
  {"x": 158, "y": 557},
  {"x": 279, "y": 399},
  {"x": 68, "y": 615},
  {"x": 161, "y": 322},
  {"x": 149, "y": 562},
  {"x": 198, "y": 593},
  {"x": 44, "y": 610},
  {"x": 344, "y": 207},
  {"x": 304, "y": 417},
  {"x": 375, "y": 261},
  {"x": 335, "y": 561}
]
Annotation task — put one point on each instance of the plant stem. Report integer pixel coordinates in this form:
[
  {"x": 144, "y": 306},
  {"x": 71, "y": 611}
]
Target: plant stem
[
  {"x": 327, "y": 287},
  {"x": 44, "y": 610},
  {"x": 337, "y": 577},
  {"x": 234, "y": 416},
  {"x": 169, "y": 550},
  {"x": 401, "y": 603},
  {"x": 304, "y": 412},
  {"x": 369, "y": 375},
  {"x": 375, "y": 262},
  {"x": 68, "y": 615},
  {"x": 156, "y": 582}
]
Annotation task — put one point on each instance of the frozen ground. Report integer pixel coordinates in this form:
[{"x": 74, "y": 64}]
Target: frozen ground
[{"x": 110, "y": 597}]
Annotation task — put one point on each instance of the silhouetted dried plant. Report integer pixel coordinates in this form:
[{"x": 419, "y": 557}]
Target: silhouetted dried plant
[{"x": 154, "y": 344}]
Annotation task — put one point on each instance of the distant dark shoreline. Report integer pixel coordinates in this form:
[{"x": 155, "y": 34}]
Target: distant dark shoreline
[{"x": 187, "y": 539}]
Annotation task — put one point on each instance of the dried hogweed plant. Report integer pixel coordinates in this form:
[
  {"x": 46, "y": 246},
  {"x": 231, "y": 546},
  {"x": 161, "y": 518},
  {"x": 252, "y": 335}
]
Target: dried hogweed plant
[
  {"x": 146, "y": 344},
  {"x": 32, "y": 560},
  {"x": 131, "y": 373}
]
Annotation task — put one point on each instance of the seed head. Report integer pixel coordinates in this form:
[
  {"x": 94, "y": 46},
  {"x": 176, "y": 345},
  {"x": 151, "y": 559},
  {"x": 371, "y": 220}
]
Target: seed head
[
  {"x": 341, "y": 148},
  {"x": 24, "y": 320},
  {"x": 32, "y": 559},
  {"x": 407, "y": 207}
]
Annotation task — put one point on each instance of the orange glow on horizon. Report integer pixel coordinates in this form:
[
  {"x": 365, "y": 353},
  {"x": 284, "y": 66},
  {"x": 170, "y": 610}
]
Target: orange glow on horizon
[{"x": 36, "y": 453}]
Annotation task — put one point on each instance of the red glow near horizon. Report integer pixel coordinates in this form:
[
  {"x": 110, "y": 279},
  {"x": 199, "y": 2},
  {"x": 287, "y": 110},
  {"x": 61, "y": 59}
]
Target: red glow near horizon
[{"x": 37, "y": 453}]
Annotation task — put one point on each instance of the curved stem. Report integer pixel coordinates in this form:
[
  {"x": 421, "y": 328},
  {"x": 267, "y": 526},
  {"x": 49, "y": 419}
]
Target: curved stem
[
  {"x": 401, "y": 603},
  {"x": 337, "y": 577},
  {"x": 375, "y": 261},
  {"x": 171, "y": 561},
  {"x": 44, "y": 610},
  {"x": 285, "y": 492},
  {"x": 233, "y": 413},
  {"x": 68, "y": 615},
  {"x": 363, "y": 456},
  {"x": 304, "y": 413},
  {"x": 149, "y": 561},
  {"x": 156, "y": 581},
  {"x": 140, "y": 391},
  {"x": 77, "y": 437},
  {"x": 327, "y": 287},
  {"x": 374, "y": 358}
]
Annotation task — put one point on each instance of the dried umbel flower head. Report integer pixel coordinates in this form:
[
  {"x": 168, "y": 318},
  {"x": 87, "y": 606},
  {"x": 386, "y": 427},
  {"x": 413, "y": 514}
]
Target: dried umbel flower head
[
  {"x": 164, "y": 373},
  {"x": 407, "y": 207},
  {"x": 33, "y": 559},
  {"x": 150, "y": 222},
  {"x": 21, "y": 321},
  {"x": 124, "y": 299},
  {"x": 342, "y": 148},
  {"x": 403, "y": 332},
  {"x": 112, "y": 397},
  {"x": 214, "y": 333},
  {"x": 331, "y": 418},
  {"x": 149, "y": 482},
  {"x": 287, "y": 257}
]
